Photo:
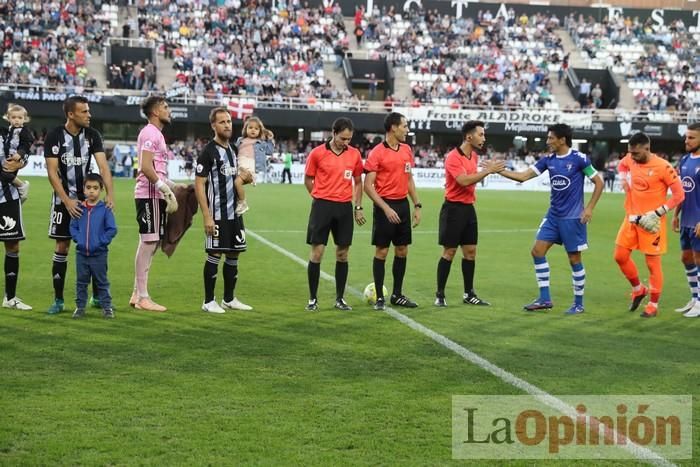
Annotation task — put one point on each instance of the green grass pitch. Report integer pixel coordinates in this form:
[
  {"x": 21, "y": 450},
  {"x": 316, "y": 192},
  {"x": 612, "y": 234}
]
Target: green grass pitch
[{"x": 281, "y": 386}]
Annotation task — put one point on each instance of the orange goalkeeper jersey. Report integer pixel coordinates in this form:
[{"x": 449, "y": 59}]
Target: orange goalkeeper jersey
[{"x": 646, "y": 185}]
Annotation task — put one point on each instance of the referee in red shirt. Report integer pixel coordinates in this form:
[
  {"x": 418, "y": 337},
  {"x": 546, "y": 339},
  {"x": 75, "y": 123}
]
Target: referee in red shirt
[
  {"x": 458, "y": 223},
  {"x": 388, "y": 183},
  {"x": 333, "y": 177}
]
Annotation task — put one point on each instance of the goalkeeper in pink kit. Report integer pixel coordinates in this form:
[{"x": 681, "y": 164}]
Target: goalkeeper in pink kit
[{"x": 153, "y": 195}]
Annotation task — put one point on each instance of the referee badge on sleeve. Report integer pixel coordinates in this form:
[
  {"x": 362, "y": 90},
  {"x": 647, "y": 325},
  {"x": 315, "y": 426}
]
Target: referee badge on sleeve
[
  {"x": 407, "y": 168},
  {"x": 348, "y": 174}
]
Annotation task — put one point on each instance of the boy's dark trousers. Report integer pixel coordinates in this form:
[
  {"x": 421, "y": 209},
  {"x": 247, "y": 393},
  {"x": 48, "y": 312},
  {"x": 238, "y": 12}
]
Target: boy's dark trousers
[{"x": 94, "y": 267}]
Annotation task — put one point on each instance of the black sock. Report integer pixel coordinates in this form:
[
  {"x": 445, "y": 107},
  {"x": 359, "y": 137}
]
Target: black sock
[
  {"x": 341, "y": 278},
  {"x": 468, "y": 266},
  {"x": 11, "y": 271},
  {"x": 58, "y": 271},
  {"x": 314, "y": 273},
  {"x": 398, "y": 269},
  {"x": 443, "y": 272},
  {"x": 211, "y": 269},
  {"x": 230, "y": 278},
  {"x": 378, "y": 273}
]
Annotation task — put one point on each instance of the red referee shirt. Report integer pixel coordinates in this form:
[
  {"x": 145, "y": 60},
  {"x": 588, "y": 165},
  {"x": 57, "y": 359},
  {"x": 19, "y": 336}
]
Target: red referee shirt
[
  {"x": 393, "y": 167},
  {"x": 333, "y": 173},
  {"x": 457, "y": 163}
]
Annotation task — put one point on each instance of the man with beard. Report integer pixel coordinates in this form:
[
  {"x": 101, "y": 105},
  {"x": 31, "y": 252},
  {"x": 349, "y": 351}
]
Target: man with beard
[
  {"x": 458, "y": 222},
  {"x": 153, "y": 195},
  {"x": 69, "y": 151},
  {"x": 566, "y": 219},
  {"x": 216, "y": 194},
  {"x": 388, "y": 184}
]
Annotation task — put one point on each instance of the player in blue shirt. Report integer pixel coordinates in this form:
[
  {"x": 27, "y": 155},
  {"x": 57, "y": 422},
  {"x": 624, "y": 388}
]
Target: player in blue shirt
[
  {"x": 566, "y": 219},
  {"x": 686, "y": 217}
]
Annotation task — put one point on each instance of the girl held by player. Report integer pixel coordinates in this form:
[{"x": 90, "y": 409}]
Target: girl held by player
[{"x": 254, "y": 146}]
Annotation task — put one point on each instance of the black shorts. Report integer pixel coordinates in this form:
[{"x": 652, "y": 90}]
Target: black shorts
[
  {"x": 59, "y": 222},
  {"x": 458, "y": 225},
  {"x": 384, "y": 233},
  {"x": 151, "y": 216},
  {"x": 11, "y": 228},
  {"x": 330, "y": 216},
  {"x": 229, "y": 236}
]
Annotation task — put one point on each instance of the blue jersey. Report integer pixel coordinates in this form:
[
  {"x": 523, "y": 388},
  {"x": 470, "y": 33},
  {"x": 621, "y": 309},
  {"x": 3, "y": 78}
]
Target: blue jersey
[
  {"x": 566, "y": 177},
  {"x": 689, "y": 168}
]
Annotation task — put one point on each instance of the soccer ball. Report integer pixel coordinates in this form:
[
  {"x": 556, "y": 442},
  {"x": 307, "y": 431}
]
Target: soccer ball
[{"x": 371, "y": 293}]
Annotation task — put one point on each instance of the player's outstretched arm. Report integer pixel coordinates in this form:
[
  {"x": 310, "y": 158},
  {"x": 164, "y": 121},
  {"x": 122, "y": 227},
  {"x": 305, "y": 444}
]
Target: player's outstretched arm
[
  {"x": 521, "y": 176},
  {"x": 489, "y": 167}
]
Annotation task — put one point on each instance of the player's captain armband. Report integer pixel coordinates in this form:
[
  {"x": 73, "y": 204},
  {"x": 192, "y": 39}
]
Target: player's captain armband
[{"x": 589, "y": 171}]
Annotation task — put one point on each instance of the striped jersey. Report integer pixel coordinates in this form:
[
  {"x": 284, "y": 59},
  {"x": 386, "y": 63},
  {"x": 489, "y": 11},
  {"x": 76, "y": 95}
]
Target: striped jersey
[
  {"x": 75, "y": 154},
  {"x": 13, "y": 141},
  {"x": 17, "y": 141},
  {"x": 217, "y": 164}
]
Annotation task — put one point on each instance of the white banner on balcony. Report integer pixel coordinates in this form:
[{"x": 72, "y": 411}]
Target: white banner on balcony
[{"x": 521, "y": 117}]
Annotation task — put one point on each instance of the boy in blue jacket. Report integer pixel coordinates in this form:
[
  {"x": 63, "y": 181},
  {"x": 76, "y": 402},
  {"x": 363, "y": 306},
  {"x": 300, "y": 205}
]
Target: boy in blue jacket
[{"x": 93, "y": 231}]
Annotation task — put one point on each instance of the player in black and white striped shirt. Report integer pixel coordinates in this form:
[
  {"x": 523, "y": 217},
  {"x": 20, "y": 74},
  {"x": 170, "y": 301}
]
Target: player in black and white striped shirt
[
  {"x": 69, "y": 151},
  {"x": 216, "y": 194}
]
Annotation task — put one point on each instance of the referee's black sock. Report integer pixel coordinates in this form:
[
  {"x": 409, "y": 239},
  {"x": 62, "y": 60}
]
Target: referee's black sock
[
  {"x": 230, "y": 278},
  {"x": 378, "y": 273},
  {"x": 341, "y": 278},
  {"x": 211, "y": 269},
  {"x": 468, "y": 266},
  {"x": 58, "y": 271},
  {"x": 314, "y": 273},
  {"x": 398, "y": 269},
  {"x": 11, "y": 271},
  {"x": 443, "y": 272}
]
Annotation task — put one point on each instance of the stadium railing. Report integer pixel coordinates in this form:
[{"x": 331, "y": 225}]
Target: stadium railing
[{"x": 316, "y": 104}]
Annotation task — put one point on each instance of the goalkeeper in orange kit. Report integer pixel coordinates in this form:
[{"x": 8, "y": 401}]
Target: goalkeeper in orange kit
[{"x": 646, "y": 179}]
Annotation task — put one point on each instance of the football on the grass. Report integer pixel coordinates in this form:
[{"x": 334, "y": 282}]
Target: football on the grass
[{"x": 371, "y": 293}]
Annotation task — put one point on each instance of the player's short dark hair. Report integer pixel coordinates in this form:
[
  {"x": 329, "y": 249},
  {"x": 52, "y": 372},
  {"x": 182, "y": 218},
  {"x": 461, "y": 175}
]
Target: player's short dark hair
[
  {"x": 639, "y": 139},
  {"x": 94, "y": 177},
  {"x": 694, "y": 126},
  {"x": 70, "y": 103},
  {"x": 342, "y": 124},
  {"x": 470, "y": 126},
  {"x": 562, "y": 130},
  {"x": 393, "y": 119},
  {"x": 150, "y": 103},
  {"x": 216, "y": 111}
]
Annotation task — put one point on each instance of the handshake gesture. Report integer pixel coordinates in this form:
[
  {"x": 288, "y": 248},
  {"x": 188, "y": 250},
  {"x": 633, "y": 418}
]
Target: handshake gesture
[
  {"x": 492, "y": 166},
  {"x": 651, "y": 221}
]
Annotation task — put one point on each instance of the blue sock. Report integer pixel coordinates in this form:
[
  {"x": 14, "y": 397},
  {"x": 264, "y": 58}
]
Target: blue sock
[
  {"x": 542, "y": 275},
  {"x": 578, "y": 277}
]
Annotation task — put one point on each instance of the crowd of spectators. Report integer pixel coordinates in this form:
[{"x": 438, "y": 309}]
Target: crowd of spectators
[
  {"x": 48, "y": 43},
  {"x": 487, "y": 60},
  {"x": 659, "y": 62},
  {"x": 247, "y": 48}
]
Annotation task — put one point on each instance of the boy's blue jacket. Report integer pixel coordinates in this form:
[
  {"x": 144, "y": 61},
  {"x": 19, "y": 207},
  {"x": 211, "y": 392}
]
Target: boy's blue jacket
[{"x": 94, "y": 230}]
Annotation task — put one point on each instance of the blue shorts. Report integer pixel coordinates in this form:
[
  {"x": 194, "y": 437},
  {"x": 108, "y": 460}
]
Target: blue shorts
[
  {"x": 568, "y": 232},
  {"x": 688, "y": 239}
]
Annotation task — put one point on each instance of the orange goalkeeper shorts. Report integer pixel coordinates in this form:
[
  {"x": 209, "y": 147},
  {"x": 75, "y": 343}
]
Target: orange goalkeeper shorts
[{"x": 634, "y": 237}]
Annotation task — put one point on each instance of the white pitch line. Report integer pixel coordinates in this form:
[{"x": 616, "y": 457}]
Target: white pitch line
[{"x": 543, "y": 396}]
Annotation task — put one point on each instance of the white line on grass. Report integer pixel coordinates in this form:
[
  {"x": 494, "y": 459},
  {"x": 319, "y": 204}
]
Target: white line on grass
[{"x": 543, "y": 396}]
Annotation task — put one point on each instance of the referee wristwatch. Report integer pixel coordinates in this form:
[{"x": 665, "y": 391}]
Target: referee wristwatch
[
  {"x": 418, "y": 205},
  {"x": 358, "y": 208}
]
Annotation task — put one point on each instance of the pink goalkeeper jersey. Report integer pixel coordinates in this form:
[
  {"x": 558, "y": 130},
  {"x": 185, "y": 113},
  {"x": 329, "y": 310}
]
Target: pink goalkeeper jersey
[{"x": 151, "y": 139}]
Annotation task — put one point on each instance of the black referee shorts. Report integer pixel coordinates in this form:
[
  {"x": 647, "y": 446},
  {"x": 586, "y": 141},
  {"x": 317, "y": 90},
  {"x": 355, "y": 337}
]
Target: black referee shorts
[
  {"x": 458, "y": 225},
  {"x": 330, "y": 216},
  {"x": 384, "y": 233}
]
